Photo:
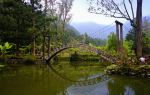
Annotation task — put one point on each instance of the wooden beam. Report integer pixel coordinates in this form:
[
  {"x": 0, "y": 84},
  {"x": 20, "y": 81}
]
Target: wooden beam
[{"x": 117, "y": 34}]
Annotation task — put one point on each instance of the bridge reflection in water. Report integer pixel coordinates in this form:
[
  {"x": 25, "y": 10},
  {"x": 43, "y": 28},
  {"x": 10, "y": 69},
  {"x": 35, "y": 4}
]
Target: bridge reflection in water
[
  {"x": 101, "y": 84},
  {"x": 93, "y": 85},
  {"x": 90, "y": 87},
  {"x": 95, "y": 89},
  {"x": 102, "y": 88}
]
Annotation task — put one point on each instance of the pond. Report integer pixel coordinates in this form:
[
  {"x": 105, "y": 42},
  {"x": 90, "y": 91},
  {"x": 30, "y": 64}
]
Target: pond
[{"x": 42, "y": 80}]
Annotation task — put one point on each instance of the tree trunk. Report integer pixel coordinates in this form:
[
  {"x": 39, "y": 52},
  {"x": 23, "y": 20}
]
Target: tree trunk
[
  {"x": 43, "y": 47},
  {"x": 17, "y": 36},
  {"x": 48, "y": 46},
  {"x": 33, "y": 45},
  {"x": 139, "y": 29},
  {"x": 33, "y": 27}
]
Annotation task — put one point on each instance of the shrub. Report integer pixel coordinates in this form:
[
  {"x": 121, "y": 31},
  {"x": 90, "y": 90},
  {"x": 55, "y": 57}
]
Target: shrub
[{"x": 112, "y": 67}]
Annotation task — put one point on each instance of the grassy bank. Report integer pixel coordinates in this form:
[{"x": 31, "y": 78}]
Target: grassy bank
[
  {"x": 12, "y": 59},
  {"x": 129, "y": 70}
]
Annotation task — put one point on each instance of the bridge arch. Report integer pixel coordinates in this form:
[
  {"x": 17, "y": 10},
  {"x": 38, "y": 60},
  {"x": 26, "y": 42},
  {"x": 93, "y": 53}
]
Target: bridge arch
[
  {"x": 81, "y": 82},
  {"x": 53, "y": 55},
  {"x": 101, "y": 53}
]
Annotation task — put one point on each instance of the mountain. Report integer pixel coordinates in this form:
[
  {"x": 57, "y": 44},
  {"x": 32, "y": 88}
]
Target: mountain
[
  {"x": 70, "y": 27},
  {"x": 95, "y": 30}
]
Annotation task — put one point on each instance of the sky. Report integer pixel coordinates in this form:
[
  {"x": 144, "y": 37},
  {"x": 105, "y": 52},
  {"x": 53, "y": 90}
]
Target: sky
[{"x": 80, "y": 13}]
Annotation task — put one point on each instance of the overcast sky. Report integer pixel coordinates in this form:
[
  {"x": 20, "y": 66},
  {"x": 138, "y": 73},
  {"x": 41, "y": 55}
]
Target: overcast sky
[{"x": 80, "y": 13}]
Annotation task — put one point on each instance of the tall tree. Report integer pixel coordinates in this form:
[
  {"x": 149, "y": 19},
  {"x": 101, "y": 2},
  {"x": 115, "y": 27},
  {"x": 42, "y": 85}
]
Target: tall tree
[
  {"x": 114, "y": 9},
  {"x": 145, "y": 36},
  {"x": 14, "y": 22},
  {"x": 33, "y": 26},
  {"x": 35, "y": 5},
  {"x": 138, "y": 32},
  {"x": 63, "y": 8}
]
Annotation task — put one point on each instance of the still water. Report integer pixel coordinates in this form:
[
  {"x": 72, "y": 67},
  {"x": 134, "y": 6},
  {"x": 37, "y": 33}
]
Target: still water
[{"x": 42, "y": 80}]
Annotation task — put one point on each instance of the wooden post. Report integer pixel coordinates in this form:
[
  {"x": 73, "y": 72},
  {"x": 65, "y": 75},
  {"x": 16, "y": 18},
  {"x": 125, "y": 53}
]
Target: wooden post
[
  {"x": 121, "y": 37},
  {"x": 119, "y": 34}
]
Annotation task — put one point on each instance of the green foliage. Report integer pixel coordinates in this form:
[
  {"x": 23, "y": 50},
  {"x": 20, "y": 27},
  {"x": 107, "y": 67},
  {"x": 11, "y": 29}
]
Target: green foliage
[
  {"x": 131, "y": 37},
  {"x": 102, "y": 47},
  {"x": 111, "y": 42},
  {"x": 113, "y": 66},
  {"x": 128, "y": 47},
  {"x": 93, "y": 41},
  {"x": 145, "y": 36},
  {"x": 136, "y": 70},
  {"x": 24, "y": 24},
  {"x": 17, "y": 18},
  {"x": 4, "y": 48},
  {"x": 146, "y": 42},
  {"x": 146, "y": 32}
]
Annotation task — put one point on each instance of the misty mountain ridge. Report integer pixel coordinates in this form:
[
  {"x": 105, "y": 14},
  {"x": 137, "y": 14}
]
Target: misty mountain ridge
[{"x": 96, "y": 30}]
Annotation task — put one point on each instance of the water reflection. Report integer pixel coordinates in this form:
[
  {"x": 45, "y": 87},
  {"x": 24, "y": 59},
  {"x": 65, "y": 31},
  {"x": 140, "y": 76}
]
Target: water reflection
[
  {"x": 31, "y": 80},
  {"x": 128, "y": 86},
  {"x": 41, "y": 80},
  {"x": 117, "y": 85},
  {"x": 96, "y": 89}
]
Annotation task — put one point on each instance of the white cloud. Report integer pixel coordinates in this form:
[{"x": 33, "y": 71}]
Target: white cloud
[{"x": 80, "y": 14}]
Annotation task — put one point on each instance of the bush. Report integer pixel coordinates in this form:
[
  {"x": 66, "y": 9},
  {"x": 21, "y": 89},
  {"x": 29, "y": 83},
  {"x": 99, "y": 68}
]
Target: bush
[
  {"x": 136, "y": 70},
  {"x": 112, "y": 67}
]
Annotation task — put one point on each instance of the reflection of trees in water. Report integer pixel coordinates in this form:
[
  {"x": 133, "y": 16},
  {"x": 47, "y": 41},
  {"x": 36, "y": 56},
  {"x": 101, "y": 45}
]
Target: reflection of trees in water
[
  {"x": 128, "y": 86},
  {"x": 37, "y": 79}
]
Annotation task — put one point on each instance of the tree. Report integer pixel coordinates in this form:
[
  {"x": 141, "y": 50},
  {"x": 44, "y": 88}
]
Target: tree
[
  {"x": 64, "y": 7},
  {"x": 35, "y": 4},
  {"x": 131, "y": 37},
  {"x": 111, "y": 42},
  {"x": 138, "y": 33},
  {"x": 145, "y": 36},
  {"x": 16, "y": 23},
  {"x": 114, "y": 9},
  {"x": 60, "y": 9}
]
